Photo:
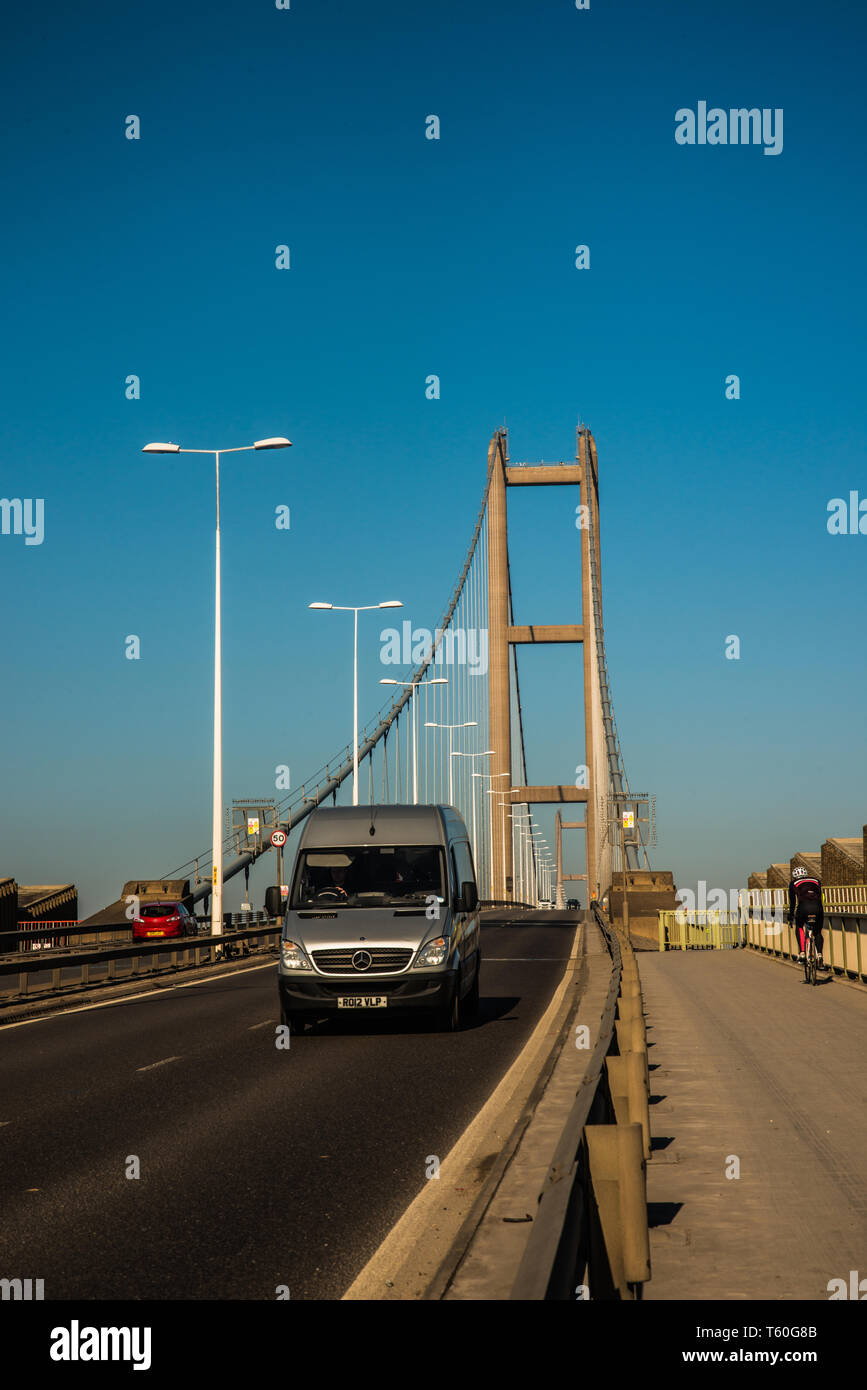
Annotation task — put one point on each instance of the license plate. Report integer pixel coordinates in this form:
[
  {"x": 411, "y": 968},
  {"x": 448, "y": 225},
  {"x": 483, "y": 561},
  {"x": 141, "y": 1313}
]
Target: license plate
[{"x": 362, "y": 1001}]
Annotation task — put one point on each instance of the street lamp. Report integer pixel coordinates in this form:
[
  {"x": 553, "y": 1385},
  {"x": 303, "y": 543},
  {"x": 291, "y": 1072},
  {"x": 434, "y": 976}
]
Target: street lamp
[
  {"x": 436, "y": 680},
  {"x": 518, "y": 849},
  {"x": 277, "y": 442},
  {"x": 503, "y": 802},
  {"x": 468, "y": 724},
  {"x": 362, "y": 608},
  {"x": 525, "y": 848},
  {"x": 488, "y": 753}
]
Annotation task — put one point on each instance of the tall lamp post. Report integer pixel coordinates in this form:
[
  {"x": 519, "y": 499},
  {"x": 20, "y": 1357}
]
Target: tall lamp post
[
  {"x": 362, "y": 608},
  {"x": 516, "y": 817},
  {"x": 503, "y": 801},
  {"x": 467, "y": 724},
  {"x": 488, "y": 753},
  {"x": 436, "y": 680},
  {"x": 278, "y": 442}
]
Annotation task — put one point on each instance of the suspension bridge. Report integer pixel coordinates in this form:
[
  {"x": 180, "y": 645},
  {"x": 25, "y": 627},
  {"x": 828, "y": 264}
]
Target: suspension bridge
[
  {"x": 629, "y": 1159},
  {"x": 418, "y": 745}
]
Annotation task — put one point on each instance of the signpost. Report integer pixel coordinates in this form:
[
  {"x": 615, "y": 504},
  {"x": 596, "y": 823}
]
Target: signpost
[
  {"x": 278, "y": 840},
  {"x": 627, "y": 822}
]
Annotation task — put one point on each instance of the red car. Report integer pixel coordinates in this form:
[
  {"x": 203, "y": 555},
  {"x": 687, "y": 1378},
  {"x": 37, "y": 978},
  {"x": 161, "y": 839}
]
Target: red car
[{"x": 163, "y": 919}]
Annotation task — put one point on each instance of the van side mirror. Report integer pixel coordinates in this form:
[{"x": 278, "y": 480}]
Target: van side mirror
[
  {"x": 273, "y": 901},
  {"x": 469, "y": 899}
]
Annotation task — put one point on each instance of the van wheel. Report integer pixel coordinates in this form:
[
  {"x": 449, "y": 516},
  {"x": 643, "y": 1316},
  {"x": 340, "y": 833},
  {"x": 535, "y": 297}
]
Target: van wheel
[{"x": 449, "y": 1019}]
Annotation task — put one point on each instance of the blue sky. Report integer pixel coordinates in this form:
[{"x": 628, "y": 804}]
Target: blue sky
[{"x": 306, "y": 127}]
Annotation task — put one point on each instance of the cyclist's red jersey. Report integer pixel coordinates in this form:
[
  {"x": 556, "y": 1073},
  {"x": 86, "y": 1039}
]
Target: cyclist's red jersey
[{"x": 804, "y": 892}]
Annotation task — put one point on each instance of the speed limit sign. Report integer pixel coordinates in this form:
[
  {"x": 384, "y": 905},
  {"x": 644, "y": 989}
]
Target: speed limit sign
[{"x": 278, "y": 838}]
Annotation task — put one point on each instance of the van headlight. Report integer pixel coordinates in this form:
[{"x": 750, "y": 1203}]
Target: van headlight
[
  {"x": 293, "y": 957},
  {"x": 432, "y": 952}
]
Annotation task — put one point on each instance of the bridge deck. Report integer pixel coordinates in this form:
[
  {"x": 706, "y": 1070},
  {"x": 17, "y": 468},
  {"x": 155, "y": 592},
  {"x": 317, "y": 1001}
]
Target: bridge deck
[{"x": 749, "y": 1061}]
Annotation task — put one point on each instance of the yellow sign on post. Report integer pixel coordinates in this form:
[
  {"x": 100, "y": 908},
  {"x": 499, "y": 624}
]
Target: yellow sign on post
[
  {"x": 252, "y": 825},
  {"x": 628, "y": 820}
]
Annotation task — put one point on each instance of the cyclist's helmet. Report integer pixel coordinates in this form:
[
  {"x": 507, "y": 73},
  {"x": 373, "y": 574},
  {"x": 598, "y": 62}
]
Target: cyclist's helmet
[{"x": 799, "y": 872}]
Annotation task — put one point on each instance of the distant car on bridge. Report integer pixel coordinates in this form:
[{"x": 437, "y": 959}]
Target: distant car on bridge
[
  {"x": 572, "y": 904},
  {"x": 163, "y": 919}
]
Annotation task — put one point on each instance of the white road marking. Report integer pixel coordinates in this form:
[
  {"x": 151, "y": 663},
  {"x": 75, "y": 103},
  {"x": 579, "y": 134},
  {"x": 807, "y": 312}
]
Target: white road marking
[
  {"x": 150, "y": 1066},
  {"x": 254, "y": 1026}
]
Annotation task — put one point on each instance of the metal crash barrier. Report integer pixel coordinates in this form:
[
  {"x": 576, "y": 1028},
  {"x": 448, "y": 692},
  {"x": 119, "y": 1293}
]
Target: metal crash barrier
[
  {"x": 117, "y": 958},
  {"x": 590, "y": 1237}
]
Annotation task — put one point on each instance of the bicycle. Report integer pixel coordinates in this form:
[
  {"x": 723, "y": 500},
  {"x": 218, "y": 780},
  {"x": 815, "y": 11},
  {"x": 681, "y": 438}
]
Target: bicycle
[{"x": 811, "y": 955}]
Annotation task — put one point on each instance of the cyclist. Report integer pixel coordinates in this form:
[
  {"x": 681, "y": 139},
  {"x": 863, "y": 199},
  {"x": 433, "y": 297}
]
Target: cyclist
[{"x": 805, "y": 899}]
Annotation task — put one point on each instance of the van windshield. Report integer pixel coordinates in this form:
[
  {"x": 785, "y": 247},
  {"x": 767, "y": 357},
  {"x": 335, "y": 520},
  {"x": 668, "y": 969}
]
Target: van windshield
[{"x": 369, "y": 876}]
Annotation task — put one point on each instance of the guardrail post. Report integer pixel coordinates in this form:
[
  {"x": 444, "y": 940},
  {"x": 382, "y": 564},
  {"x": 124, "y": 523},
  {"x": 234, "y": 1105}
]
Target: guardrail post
[
  {"x": 617, "y": 1175},
  {"x": 628, "y": 1086},
  {"x": 631, "y": 1037},
  {"x": 630, "y": 1008}
]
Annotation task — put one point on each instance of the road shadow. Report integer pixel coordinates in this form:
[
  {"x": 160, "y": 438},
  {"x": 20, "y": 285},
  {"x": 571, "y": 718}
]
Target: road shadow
[{"x": 492, "y": 1009}]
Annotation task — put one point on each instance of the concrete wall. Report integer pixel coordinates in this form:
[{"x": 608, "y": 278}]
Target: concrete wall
[
  {"x": 8, "y": 908},
  {"x": 47, "y": 902},
  {"x": 842, "y": 861},
  {"x": 778, "y": 875},
  {"x": 648, "y": 891},
  {"x": 809, "y": 859}
]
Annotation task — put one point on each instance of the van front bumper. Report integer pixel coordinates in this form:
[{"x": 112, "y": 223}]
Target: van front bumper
[{"x": 313, "y": 994}]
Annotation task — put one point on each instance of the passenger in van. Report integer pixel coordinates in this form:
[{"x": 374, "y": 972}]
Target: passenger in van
[{"x": 412, "y": 874}]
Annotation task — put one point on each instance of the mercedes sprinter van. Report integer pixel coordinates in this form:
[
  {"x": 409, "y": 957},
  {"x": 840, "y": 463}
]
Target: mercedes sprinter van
[{"x": 382, "y": 914}]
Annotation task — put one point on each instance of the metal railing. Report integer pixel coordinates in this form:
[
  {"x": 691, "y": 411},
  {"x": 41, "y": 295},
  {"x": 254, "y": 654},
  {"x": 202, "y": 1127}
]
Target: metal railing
[
  {"x": 700, "y": 929},
  {"x": 30, "y": 934},
  {"x": 17, "y": 968},
  {"x": 844, "y": 940},
  {"x": 838, "y": 897},
  {"x": 845, "y": 897}
]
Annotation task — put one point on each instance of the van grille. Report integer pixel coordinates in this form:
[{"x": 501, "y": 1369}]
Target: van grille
[{"x": 384, "y": 960}]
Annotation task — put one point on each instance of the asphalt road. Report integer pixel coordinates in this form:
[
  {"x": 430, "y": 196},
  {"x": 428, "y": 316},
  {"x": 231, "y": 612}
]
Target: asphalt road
[{"x": 259, "y": 1167}]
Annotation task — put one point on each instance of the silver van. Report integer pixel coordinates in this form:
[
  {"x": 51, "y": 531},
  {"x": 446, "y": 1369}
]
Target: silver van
[{"x": 382, "y": 915}]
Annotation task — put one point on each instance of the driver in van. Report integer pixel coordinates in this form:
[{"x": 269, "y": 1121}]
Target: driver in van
[{"x": 338, "y": 882}]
